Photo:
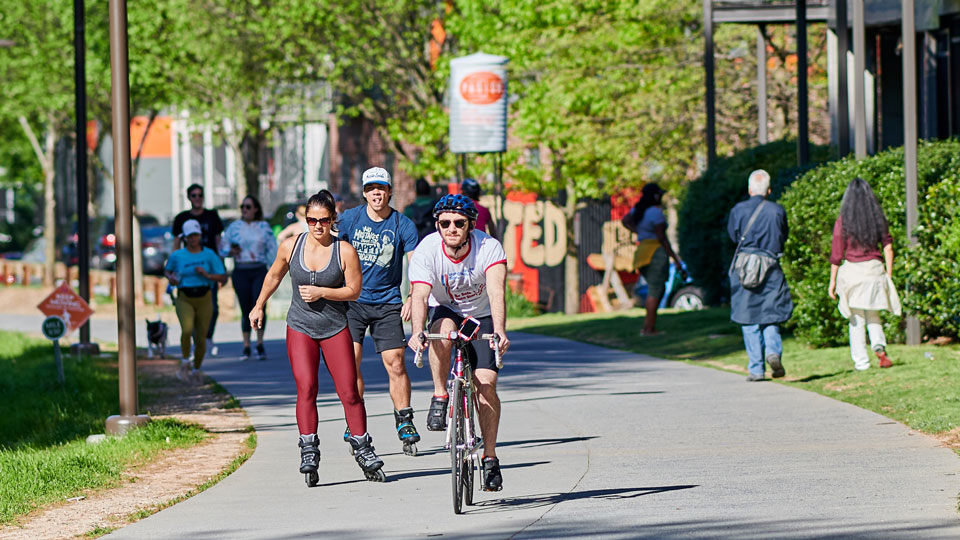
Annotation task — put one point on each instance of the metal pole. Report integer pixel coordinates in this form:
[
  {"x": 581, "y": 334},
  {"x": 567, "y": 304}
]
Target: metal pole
[
  {"x": 843, "y": 104},
  {"x": 909, "y": 56},
  {"x": 761, "y": 85},
  {"x": 126, "y": 316},
  {"x": 83, "y": 195},
  {"x": 711, "y": 87},
  {"x": 859, "y": 93},
  {"x": 803, "y": 136}
]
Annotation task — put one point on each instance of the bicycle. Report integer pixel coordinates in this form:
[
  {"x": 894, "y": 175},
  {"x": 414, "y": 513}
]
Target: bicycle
[{"x": 462, "y": 438}]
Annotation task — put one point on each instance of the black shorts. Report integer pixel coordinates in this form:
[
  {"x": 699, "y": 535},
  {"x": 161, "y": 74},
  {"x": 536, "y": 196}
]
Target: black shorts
[
  {"x": 480, "y": 354},
  {"x": 384, "y": 322}
]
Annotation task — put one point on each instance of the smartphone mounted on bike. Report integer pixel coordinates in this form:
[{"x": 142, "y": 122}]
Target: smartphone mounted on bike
[{"x": 469, "y": 329}]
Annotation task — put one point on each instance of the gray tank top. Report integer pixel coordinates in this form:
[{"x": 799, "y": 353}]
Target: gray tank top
[{"x": 323, "y": 318}]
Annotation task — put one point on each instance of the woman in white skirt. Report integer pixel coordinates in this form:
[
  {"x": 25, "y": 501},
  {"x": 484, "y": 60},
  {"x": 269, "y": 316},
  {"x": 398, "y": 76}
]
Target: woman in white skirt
[{"x": 863, "y": 282}]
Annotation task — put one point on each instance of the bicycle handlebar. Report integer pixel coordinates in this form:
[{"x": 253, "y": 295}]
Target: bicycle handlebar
[{"x": 453, "y": 336}]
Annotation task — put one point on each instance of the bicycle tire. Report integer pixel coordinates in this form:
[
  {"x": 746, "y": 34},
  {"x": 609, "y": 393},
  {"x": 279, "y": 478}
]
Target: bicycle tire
[
  {"x": 469, "y": 467},
  {"x": 457, "y": 446}
]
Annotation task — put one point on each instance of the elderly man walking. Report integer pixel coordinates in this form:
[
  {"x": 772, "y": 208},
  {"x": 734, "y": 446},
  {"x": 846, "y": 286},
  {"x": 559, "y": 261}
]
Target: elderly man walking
[{"x": 759, "y": 296}]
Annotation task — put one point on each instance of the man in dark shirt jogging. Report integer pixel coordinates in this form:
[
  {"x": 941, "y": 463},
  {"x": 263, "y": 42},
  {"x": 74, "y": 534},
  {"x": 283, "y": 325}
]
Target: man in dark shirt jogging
[
  {"x": 210, "y": 230},
  {"x": 381, "y": 236}
]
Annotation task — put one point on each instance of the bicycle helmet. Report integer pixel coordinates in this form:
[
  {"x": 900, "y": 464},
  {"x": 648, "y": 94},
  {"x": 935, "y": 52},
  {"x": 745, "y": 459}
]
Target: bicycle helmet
[
  {"x": 470, "y": 188},
  {"x": 458, "y": 204}
]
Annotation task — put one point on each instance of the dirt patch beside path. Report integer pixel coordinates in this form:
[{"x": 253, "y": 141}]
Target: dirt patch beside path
[{"x": 172, "y": 475}]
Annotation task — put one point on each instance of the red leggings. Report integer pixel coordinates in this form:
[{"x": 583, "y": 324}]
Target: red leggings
[{"x": 304, "y": 353}]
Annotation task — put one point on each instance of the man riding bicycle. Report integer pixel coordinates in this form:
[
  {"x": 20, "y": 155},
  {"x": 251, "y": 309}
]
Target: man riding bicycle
[{"x": 463, "y": 272}]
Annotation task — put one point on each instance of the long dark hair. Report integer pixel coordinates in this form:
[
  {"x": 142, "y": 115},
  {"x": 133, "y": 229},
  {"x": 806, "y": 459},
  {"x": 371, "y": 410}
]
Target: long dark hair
[
  {"x": 861, "y": 215},
  {"x": 651, "y": 197},
  {"x": 258, "y": 214},
  {"x": 324, "y": 199}
]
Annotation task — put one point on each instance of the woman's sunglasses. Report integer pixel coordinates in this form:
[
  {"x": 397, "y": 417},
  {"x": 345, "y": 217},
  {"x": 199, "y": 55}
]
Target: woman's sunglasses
[
  {"x": 458, "y": 223},
  {"x": 246, "y": 207},
  {"x": 325, "y": 221}
]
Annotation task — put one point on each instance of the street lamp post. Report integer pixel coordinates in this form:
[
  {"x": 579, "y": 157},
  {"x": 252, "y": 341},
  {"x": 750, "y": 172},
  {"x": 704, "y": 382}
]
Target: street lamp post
[
  {"x": 126, "y": 314},
  {"x": 83, "y": 196}
]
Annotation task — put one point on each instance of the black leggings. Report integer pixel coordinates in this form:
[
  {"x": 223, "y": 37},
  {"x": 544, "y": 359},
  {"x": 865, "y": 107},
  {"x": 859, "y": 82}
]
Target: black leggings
[{"x": 248, "y": 282}]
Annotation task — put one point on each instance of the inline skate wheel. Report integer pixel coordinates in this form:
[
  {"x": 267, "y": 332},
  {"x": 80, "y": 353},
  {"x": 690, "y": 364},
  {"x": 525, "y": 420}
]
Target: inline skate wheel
[
  {"x": 376, "y": 476},
  {"x": 410, "y": 449},
  {"x": 312, "y": 478}
]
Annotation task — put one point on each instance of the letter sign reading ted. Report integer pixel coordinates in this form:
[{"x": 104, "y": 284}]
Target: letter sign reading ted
[{"x": 481, "y": 88}]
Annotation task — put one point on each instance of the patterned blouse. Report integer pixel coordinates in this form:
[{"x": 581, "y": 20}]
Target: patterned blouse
[{"x": 255, "y": 238}]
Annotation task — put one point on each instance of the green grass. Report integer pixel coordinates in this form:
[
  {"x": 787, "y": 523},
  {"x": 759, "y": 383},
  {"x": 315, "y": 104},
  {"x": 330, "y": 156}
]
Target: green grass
[
  {"x": 35, "y": 409},
  {"x": 33, "y": 476},
  {"x": 43, "y": 426},
  {"x": 919, "y": 391}
]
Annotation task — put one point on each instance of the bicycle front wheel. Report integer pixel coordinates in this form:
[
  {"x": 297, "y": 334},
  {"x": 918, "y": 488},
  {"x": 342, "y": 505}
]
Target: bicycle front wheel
[{"x": 457, "y": 445}]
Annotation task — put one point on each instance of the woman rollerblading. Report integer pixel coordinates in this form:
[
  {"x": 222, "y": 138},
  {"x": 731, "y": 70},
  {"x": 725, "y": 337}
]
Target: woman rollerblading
[
  {"x": 369, "y": 463},
  {"x": 310, "y": 458}
]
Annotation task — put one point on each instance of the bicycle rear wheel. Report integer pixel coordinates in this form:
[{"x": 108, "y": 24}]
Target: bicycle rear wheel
[{"x": 457, "y": 446}]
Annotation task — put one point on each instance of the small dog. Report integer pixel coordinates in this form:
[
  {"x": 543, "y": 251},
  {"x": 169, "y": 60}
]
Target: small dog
[{"x": 156, "y": 337}]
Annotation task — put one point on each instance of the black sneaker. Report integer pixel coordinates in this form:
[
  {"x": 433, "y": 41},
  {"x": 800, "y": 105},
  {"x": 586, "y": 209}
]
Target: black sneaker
[
  {"x": 261, "y": 354},
  {"x": 776, "y": 365},
  {"x": 492, "y": 479},
  {"x": 437, "y": 417},
  {"x": 246, "y": 354}
]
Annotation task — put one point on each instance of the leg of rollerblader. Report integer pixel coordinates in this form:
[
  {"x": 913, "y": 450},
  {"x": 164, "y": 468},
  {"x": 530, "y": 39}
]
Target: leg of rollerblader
[
  {"x": 486, "y": 380},
  {"x": 440, "y": 369},
  {"x": 363, "y": 452},
  {"x": 310, "y": 458},
  {"x": 400, "y": 394}
]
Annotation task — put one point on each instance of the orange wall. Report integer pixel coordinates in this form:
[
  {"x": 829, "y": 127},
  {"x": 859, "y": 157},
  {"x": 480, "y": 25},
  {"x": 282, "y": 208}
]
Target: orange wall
[{"x": 158, "y": 143}]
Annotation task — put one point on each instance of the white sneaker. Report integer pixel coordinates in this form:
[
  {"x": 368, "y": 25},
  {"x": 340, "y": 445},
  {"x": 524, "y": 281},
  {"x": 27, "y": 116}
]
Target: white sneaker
[
  {"x": 212, "y": 347},
  {"x": 183, "y": 371}
]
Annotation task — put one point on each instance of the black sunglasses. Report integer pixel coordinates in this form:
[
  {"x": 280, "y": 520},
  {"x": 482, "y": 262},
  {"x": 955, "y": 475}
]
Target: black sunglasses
[
  {"x": 325, "y": 221},
  {"x": 196, "y": 195},
  {"x": 458, "y": 223},
  {"x": 246, "y": 206}
]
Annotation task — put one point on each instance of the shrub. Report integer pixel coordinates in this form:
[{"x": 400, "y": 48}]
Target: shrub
[
  {"x": 931, "y": 270},
  {"x": 705, "y": 207}
]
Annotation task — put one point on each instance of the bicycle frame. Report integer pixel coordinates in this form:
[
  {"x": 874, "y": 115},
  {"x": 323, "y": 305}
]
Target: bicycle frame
[{"x": 462, "y": 437}]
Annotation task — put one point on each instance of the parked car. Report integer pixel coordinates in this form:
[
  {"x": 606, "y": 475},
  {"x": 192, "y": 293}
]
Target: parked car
[
  {"x": 104, "y": 250},
  {"x": 157, "y": 242},
  {"x": 681, "y": 293}
]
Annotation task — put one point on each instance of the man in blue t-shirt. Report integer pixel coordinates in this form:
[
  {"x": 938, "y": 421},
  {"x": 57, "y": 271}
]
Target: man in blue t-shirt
[{"x": 381, "y": 236}]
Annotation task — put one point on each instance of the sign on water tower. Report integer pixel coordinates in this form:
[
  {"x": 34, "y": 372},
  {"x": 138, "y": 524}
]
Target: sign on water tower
[{"x": 478, "y": 104}]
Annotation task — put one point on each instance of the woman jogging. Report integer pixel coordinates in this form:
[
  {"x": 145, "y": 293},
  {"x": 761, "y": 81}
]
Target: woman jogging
[
  {"x": 325, "y": 273},
  {"x": 251, "y": 243},
  {"x": 861, "y": 271},
  {"x": 194, "y": 270}
]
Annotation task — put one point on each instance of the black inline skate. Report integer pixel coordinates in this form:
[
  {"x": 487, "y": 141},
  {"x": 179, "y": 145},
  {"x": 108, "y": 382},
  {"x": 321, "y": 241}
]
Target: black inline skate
[
  {"x": 406, "y": 431},
  {"x": 310, "y": 458},
  {"x": 367, "y": 458}
]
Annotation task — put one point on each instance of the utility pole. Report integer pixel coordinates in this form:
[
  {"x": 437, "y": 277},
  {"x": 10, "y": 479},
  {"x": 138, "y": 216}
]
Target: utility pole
[
  {"x": 909, "y": 56},
  {"x": 126, "y": 300},
  {"x": 83, "y": 195}
]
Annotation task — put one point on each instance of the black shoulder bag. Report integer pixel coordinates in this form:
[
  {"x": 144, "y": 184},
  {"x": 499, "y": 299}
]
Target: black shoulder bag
[{"x": 752, "y": 268}]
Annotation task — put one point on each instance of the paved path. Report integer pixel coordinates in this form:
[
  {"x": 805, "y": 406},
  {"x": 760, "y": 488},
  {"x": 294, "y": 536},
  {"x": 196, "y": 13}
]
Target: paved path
[{"x": 594, "y": 442}]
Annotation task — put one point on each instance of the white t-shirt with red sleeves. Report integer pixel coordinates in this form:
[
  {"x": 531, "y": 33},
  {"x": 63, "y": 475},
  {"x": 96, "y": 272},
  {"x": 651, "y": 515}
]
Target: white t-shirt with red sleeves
[{"x": 461, "y": 284}]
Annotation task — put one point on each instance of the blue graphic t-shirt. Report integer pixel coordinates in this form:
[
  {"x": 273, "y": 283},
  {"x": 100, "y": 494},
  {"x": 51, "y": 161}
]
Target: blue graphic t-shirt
[
  {"x": 381, "y": 247},
  {"x": 184, "y": 264}
]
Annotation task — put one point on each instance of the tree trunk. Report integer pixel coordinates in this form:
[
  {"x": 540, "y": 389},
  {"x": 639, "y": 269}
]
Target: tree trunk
[
  {"x": 235, "y": 141},
  {"x": 571, "y": 263},
  {"x": 252, "y": 141},
  {"x": 137, "y": 237},
  {"x": 45, "y": 157}
]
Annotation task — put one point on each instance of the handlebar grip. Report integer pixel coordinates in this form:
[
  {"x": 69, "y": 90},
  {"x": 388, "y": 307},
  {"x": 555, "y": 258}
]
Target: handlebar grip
[
  {"x": 495, "y": 339},
  {"x": 418, "y": 358}
]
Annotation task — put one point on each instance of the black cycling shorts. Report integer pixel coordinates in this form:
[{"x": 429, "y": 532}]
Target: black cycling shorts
[
  {"x": 384, "y": 322},
  {"x": 479, "y": 351}
]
